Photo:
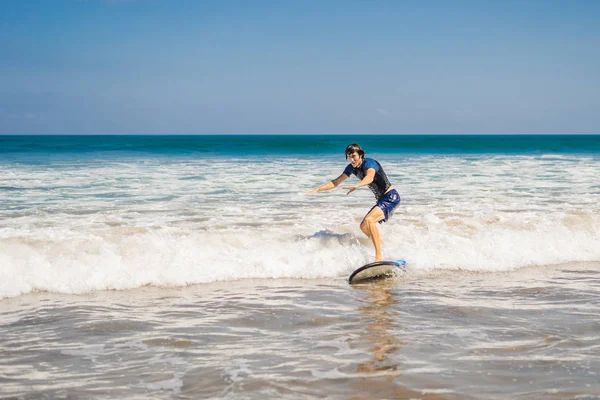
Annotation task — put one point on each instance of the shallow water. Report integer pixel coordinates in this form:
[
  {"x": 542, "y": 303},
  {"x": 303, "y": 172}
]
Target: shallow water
[
  {"x": 160, "y": 267},
  {"x": 525, "y": 334}
]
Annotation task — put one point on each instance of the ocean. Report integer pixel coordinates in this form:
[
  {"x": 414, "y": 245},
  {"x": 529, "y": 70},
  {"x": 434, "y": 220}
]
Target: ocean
[{"x": 188, "y": 267}]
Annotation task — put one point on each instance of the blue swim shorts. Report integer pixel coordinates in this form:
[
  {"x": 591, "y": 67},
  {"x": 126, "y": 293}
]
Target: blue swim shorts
[{"x": 388, "y": 203}]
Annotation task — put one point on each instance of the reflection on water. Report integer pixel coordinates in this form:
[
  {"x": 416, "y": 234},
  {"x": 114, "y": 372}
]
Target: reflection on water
[
  {"x": 529, "y": 334},
  {"x": 380, "y": 314}
]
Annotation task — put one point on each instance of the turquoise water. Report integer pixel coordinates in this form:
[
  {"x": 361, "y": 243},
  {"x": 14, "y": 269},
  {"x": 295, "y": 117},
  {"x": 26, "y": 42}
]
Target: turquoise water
[{"x": 241, "y": 145}]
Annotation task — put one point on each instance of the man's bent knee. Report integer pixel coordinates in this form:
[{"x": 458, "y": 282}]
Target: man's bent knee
[
  {"x": 364, "y": 226},
  {"x": 370, "y": 220},
  {"x": 374, "y": 216}
]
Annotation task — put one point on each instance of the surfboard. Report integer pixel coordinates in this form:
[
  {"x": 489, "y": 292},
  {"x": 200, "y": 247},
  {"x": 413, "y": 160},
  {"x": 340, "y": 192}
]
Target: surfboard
[{"x": 376, "y": 270}]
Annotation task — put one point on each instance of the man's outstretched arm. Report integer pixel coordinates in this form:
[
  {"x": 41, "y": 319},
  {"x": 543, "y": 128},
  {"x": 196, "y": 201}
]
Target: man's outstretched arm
[{"x": 329, "y": 185}]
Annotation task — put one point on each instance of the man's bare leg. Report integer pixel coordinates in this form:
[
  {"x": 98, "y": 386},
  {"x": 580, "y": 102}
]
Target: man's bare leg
[{"x": 369, "y": 227}]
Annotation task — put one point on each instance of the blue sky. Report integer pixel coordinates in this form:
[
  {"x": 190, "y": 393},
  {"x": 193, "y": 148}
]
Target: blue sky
[{"x": 299, "y": 66}]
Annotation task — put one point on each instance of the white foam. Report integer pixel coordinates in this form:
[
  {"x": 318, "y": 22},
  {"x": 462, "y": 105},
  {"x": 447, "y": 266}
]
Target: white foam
[
  {"x": 76, "y": 261},
  {"x": 101, "y": 226}
]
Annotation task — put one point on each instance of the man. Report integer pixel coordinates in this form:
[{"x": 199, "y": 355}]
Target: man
[{"x": 370, "y": 173}]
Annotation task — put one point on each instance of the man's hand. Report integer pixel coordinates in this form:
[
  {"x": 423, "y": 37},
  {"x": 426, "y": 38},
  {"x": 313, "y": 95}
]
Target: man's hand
[
  {"x": 315, "y": 190},
  {"x": 350, "y": 189}
]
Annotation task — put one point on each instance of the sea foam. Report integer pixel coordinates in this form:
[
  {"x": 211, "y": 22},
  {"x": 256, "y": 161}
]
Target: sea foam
[
  {"x": 76, "y": 227},
  {"x": 71, "y": 260}
]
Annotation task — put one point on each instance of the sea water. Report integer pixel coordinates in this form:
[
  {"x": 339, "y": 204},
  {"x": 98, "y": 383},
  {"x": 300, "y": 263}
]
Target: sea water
[{"x": 197, "y": 266}]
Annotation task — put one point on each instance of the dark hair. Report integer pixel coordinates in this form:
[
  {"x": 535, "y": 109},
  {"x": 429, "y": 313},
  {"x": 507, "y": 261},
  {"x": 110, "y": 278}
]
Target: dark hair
[{"x": 354, "y": 148}]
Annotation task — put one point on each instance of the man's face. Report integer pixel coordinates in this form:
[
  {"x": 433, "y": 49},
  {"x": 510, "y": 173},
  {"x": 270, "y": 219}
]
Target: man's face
[{"x": 355, "y": 159}]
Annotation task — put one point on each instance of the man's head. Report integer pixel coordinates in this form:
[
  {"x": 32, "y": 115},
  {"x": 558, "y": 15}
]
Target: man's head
[{"x": 354, "y": 148}]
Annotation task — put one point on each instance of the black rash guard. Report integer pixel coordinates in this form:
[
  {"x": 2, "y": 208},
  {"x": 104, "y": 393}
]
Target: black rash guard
[{"x": 380, "y": 182}]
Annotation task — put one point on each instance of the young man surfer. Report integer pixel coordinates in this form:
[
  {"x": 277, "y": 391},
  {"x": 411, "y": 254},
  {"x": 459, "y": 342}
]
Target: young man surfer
[{"x": 370, "y": 173}]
